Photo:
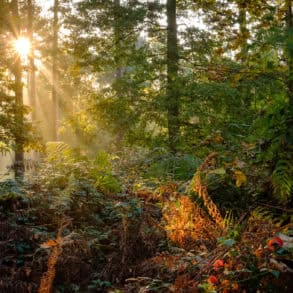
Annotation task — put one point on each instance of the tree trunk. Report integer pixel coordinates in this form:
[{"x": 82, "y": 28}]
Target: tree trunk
[
  {"x": 243, "y": 31},
  {"x": 19, "y": 155},
  {"x": 55, "y": 100},
  {"x": 172, "y": 93},
  {"x": 289, "y": 18},
  {"x": 244, "y": 35},
  {"x": 31, "y": 73},
  {"x": 118, "y": 70},
  {"x": 117, "y": 38}
]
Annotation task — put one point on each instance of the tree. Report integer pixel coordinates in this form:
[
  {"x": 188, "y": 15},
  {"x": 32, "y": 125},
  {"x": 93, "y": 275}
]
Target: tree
[
  {"x": 16, "y": 131},
  {"x": 31, "y": 73},
  {"x": 107, "y": 45},
  {"x": 18, "y": 91},
  {"x": 55, "y": 99},
  {"x": 172, "y": 90},
  {"x": 289, "y": 49}
]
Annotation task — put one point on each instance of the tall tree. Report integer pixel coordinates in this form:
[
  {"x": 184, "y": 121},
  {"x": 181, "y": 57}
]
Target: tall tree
[
  {"x": 289, "y": 22},
  {"x": 18, "y": 90},
  {"x": 55, "y": 100},
  {"x": 172, "y": 91},
  {"x": 243, "y": 31},
  {"x": 31, "y": 57}
]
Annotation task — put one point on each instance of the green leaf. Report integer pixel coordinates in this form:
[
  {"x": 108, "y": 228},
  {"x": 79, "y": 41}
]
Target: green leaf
[
  {"x": 275, "y": 273},
  {"x": 281, "y": 251},
  {"x": 229, "y": 242},
  {"x": 219, "y": 171}
]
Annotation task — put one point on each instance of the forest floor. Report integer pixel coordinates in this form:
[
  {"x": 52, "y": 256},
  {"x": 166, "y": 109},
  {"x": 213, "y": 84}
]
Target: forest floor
[
  {"x": 136, "y": 255},
  {"x": 139, "y": 241}
]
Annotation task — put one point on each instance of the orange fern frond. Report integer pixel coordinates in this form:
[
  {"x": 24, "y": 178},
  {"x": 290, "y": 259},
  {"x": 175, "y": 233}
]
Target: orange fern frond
[
  {"x": 49, "y": 276},
  {"x": 202, "y": 190}
]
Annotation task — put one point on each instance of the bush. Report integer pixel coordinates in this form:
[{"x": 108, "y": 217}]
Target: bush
[
  {"x": 11, "y": 194},
  {"x": 177, "y": 167},
  {"x": 68, "y": 182}
]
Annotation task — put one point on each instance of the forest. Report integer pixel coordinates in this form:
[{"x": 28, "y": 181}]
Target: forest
[{"x": 146, "y": 146}]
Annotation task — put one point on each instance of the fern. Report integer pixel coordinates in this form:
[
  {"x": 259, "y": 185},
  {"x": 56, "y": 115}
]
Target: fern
[
  {"x": 272, "y": 216},
  {"x": 59, "y": 152},
  {"x": 276, "y": 146},
  {"x": 229, "y": 219},
  {"x": 282, "y": 178},
  {"x": 201, "y": 189},
  {"x": 263, "y": 213}
]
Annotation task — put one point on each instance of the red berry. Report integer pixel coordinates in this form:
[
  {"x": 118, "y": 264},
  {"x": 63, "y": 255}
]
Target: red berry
[
  {"x": 219, "y": 263},
  {"x": 213, "y": 279},
  {"x": 274, "y": 243}
]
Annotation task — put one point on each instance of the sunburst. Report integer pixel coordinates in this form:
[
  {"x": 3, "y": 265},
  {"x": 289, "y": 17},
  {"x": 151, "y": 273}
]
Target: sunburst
[{"x": 22, "y": 47}]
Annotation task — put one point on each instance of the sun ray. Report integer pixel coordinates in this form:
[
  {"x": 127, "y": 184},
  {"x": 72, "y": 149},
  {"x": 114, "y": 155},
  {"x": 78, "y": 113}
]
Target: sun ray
[{"x": 22, "y": 47}]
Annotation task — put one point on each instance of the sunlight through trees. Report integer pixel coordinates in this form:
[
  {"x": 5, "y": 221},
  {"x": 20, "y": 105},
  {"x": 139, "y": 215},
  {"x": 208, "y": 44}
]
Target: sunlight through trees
[{"x": 146, "y": 146}]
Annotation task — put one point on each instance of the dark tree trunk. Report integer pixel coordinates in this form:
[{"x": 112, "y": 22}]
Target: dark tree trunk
[
  {"x": 289, "y": 18},
  {"x": 18, "y": 87},
  {"x": 172, "y": 94},
  {"x": 243, "y": 30},
  {"x": 19, "y": 153},
  {"x": 55, "y": 100},
  {"x": 244, "y": 35},
  {"x": 117, "y": 37},
  {"x": 31, "y": 73},
  {"x": 118, "y": 70}
]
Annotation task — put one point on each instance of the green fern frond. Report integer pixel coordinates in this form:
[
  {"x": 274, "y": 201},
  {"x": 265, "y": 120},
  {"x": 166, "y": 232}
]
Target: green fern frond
[
  {"x": 229, "y": 219},
  {"x": 272, "y": 216},
  {"x": 59, "y": 151},
  {"x": 263, "y": 213},
  {"x": 282, "y": 179}
]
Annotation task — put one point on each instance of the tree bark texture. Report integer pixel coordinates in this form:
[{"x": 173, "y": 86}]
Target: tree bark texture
[
  {"x": 31, "y": 57},
  {"x": 172, "y": 93},
  {"x": 55, "y": 99},
  {"x": 18, "y": 88}
]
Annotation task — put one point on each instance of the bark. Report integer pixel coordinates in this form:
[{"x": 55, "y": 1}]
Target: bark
[
  {"x": 118, "y": 70},
  {"x": 117, "y": 37},
  {"x": 55, "y": 99},
  {"x": 18, "y": 87},
  {"x": 243, "y": 31},
  {"x": 289, "y": 18},
  {"x": 19, "y": 152},
  {"x": 172, "y": 93},
  {"x": 31, "y": 73}
]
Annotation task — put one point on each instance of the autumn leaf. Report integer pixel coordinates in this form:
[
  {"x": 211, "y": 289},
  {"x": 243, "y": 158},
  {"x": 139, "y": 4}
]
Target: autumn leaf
[
  {"x": 213, "y": 279},
  {"x": 219, "y": 263},
  {"x": 240, "y": 178},
  {"x": 49, "y": 243},
  {"x": 274, "y": 243},
  {"x": 249, "y": 146},
  {"x": 219, "y": 171}
]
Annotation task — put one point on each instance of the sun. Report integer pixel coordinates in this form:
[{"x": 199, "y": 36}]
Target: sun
[{"x": 22, "y": 46}]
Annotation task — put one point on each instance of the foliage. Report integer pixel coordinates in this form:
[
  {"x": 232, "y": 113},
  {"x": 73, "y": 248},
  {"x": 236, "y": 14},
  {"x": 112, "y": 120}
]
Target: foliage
[
  {"x": 67, "y": 161},
  {"x": 175, "y": 153},
  {"x": 275, "y": 140},
  {"x": 11, "y": 195},
  {"x": 282, "y": 178},
  {"x": 177, "y": 167},
  {"x": 187, "y": 225}
]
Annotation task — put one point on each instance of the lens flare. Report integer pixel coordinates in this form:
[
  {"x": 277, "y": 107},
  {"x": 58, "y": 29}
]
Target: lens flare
[{"x": 22, "y": 47}]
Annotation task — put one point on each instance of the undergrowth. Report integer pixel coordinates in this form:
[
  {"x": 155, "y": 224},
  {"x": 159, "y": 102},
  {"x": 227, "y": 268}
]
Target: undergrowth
[{"x": 74, "y": 227}]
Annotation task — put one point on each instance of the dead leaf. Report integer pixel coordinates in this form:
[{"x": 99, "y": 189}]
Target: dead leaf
[
  {"x": 49, "y": 243},
  {"x": 240, "y": 178}
]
